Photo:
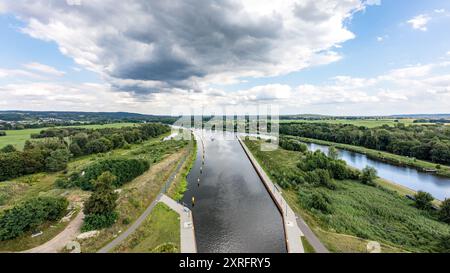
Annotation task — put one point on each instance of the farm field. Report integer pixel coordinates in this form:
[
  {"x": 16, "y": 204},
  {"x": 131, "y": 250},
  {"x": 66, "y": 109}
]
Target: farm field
[
  {"x": 370, "y": 123},
  {"x": 17, "y": 138}
]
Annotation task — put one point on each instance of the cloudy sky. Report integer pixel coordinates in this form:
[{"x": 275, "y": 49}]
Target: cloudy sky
[{"x": 338, "y": 57}]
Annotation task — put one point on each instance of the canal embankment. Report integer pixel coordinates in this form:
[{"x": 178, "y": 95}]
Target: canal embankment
[{"x": 292, "y": 232}]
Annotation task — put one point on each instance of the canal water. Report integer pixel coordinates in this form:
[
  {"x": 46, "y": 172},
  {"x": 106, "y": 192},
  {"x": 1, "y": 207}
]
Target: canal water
[
  {"x": 438, "y": 186},
  {"x": 233, "y": 212}
]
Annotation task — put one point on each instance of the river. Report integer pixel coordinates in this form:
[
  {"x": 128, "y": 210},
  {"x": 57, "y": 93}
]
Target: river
[
  {"x": 233, "y": 212},
  {"x": 411, "y": 178}
]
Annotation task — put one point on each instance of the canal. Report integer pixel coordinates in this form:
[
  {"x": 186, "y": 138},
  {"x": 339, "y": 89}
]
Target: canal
[
  {"x": 411, "y": 178},
  {"x": 233, "y": 212}
]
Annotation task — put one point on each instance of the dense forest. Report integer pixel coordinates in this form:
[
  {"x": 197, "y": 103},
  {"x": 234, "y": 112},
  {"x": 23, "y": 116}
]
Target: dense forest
[
  {"x": 431, "y": 142},
  {"x": 53, "y": 153}
]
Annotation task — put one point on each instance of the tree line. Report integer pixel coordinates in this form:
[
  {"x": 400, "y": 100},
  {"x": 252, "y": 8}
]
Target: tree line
[
  {"x": 431, "y": 142},
  {"x": 53, "y": 153}
]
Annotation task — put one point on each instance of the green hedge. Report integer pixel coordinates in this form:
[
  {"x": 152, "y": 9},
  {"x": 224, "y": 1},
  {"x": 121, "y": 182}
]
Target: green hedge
[{"x": 124, "y": 170}]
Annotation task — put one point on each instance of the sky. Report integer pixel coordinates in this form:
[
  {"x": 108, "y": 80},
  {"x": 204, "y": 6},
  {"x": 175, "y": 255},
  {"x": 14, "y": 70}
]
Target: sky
[{"x": 333, "y": 57}]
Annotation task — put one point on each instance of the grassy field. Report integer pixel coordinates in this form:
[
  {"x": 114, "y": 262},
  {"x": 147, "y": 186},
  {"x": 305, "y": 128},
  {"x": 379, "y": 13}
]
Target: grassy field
[
  {"x": 370, "y": 123},
  {"x": 359, "y": 213},
  {"x": 159, "y": 233},
  {"x": 18, "y": 137},
  {"x": 398, "y": 160}
]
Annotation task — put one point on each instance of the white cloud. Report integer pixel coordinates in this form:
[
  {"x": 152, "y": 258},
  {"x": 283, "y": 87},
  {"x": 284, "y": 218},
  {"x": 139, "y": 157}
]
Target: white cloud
[
  {"x": 420, "y": 22},
  {"x": 439, "y": 10},
  {"x": 16, "y": 73},
  {"x": 380, "y": 39},
  {"x": 189, "y": 44},
  {"x": 42, "y": 68}
]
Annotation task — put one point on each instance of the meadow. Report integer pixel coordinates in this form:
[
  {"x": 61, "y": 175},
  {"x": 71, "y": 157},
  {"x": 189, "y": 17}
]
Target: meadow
[
  {"x": 358, "y": 213},
  {"x": 17, "y": 138}
]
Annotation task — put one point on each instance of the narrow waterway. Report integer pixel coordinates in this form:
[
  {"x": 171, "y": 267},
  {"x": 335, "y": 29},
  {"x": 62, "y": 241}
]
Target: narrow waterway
[
  {"x": 233, "y": 211},
  {"x": 411, "y": 178}
]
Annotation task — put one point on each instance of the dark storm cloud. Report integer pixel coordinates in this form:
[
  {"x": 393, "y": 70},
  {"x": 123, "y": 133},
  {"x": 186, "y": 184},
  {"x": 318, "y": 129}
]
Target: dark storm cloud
[{"x": 185, "y": 43}]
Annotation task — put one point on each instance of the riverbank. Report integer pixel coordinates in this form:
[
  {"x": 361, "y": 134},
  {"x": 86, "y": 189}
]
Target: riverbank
[
  {"x": 292, "y": 232},
  {"x": 357, "y": 213},
  {"x": 394, "y": 159}
]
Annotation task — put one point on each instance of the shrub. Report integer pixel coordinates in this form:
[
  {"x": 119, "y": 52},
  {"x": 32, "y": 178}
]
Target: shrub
[
  {"x": 321, "y": 177},
  {"x": 100, "y": 206},
  {"x": 98, "y": 221},
  {"x": 444, "y": 212},
  {"x": 368, "y": 176},
  {"x": 57, "y": 161},
  {"x": 423, "y": 200},
  {"x": 30, "y": 214},
  {"x": 8, "y": 149},
  {"x": 124, "y": 170},
  {"x": 320, "y": 202}
]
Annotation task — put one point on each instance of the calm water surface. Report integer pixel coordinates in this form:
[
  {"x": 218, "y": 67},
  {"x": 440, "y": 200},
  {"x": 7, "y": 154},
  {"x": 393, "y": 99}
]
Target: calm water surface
[
  {"x": 438, "y": 186},
  {"x": 233, "y": 211}
]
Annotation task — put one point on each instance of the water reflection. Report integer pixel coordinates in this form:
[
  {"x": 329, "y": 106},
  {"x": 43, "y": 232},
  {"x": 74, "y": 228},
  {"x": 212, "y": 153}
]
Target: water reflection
[{"x": 438, "y": 186}]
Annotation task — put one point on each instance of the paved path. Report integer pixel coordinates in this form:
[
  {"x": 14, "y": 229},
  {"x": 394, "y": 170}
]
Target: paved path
[
  {"x": 292, "y": 231},
  {"x": 144, "y": 215},
  {"x": 59, "y": 241},
  {"x": 188, "y": 243}
]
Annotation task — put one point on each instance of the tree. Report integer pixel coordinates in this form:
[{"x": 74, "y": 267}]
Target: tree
[
  {"x": 368, "y": 175},
  {"x": 444, "y": 244},
  {"x": 57, "y": 161},
  {"x": 423, "y": 200},
  {"x": 75, "y": 149},
  {"x": 333, "y": 153},
  {"x": 8, "y": 149},
  {"x": 103, "y": 199},
  {"x": 100, "y": 206},
  {"x": 444, "y": 212}
]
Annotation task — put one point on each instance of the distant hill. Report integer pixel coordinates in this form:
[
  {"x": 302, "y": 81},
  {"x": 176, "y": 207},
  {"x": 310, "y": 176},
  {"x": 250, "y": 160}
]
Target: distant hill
[{"x": 80, "y": 116}]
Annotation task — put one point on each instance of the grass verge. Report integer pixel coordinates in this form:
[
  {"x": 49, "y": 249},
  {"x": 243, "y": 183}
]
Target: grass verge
[{"x": 159, "y": 233}]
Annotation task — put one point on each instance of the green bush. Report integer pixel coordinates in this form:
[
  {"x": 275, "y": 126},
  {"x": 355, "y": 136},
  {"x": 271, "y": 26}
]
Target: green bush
[
  {"x": 99, "y": 208},
  {"x": 98, "y": 221},
  {"x": 8, "y": 149},
  {"x": 320, "y": 202},
  {"x": 368, "y": 176},
  {"x": 423, "y": 200},
  {"x": 30, "y": 214},
  {"x": 444, "y": 212},
  {"x": 125, "y": 170}
]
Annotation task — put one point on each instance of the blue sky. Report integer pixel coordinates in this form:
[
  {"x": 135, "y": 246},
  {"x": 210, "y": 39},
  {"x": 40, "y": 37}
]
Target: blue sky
[{"x": 46, "y": 64}]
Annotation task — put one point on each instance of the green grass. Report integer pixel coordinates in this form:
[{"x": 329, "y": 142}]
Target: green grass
[
  {"x": 307, "y": 246},
  {"x": 134, "y": 198},
  {"x": 359, "y": 212},
  {"x": 398, "y": 160},
  {"x": 18, "y": 137},
  {"x": 179, "y": 185},
  {"x": 162, "y": 227},
  {"x": 370, "y": 123}
]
